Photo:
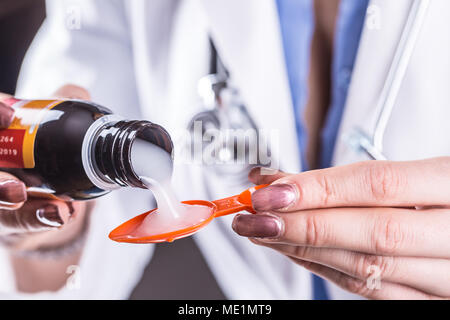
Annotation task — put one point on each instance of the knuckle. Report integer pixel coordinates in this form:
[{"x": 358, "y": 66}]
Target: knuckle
[
  {"x": 10, "y": 222},
  {"x": 326, "y": 189},
  {"x": 382, "y": 265},
  {"x": 383, "y": 180},
  {"x": 5, "y": 175},
  {"x": 73, "y": 91},
  {"x": 302, "y": 251},
  {"x": 316, "y": 233},
  {"x": 18, "y": 220},
  {"x": 301, "y": 194},
  {"x": 387, "y": 235}
]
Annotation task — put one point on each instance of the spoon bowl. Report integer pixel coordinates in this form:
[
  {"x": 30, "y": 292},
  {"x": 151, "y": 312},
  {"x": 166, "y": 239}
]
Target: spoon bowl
[{"x": 218, "y": 208}]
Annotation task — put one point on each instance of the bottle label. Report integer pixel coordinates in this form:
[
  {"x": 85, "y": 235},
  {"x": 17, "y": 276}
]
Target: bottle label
[{"x": 17, "y": 141}]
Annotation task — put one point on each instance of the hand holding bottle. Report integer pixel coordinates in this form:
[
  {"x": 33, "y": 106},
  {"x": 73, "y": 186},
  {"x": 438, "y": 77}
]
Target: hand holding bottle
[
  {"x": 26, "y": 223},
  {"x": 59, "y": 150}
]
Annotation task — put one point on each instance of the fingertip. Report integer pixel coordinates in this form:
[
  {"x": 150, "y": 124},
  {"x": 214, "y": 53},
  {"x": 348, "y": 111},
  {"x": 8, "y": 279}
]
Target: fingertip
[
  {"x": 49, "y": 215},
  {"x": 258, "y": 226},
  {"x": 13, "y": 191},
  {"x": 64, "y": 211},
  {"x": 258, "y": 175},
  {"x": 6, "y": 115},
  {"x": 265, "y": 175},
  {"x": 234, "y": 224},
  {"x": 256, "y": 241},
  {"x": 254, "y": 175},
  {"x": 276, "y": 197}
]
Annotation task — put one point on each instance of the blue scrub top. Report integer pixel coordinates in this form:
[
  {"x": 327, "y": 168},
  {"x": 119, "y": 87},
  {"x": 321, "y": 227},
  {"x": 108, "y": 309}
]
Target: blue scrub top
[{"x": 297, "y": 27}]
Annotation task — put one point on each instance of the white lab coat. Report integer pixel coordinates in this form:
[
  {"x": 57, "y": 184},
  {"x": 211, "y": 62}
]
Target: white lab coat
[{"x": 143, "y": 59}]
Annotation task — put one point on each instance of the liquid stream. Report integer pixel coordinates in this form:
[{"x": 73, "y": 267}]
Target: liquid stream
[{"x": 154, "y": 167}]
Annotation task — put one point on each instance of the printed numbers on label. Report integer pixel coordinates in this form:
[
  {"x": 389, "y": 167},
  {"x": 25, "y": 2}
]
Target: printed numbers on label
[
  {"x": 6, "y": 139},
  {"x": 8, "y": 152}
]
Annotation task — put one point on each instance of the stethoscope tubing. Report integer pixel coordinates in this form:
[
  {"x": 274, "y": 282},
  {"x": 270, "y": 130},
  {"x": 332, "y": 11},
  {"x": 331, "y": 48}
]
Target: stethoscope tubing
[{"x": 395, "y": 77}]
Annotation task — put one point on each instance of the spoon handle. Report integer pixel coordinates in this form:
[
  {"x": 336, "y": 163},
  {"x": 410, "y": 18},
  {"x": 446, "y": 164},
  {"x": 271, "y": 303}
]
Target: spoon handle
[{"x": 237, "y": 203}]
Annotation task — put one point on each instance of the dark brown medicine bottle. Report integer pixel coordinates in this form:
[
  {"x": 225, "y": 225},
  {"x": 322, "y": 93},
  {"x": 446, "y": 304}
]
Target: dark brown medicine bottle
[{"x": 73, "y": 150}]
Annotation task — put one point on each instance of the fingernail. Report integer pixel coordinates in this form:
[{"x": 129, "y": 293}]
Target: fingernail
[
  {"x": 257, "y": 226},
  {"x": 49, "y": 215},
  {"x": 254, "y": 174},
  {"x": 13, "y": 191},
  {"x": 274, "y": 197},
  {"x": 257, "y": 172},
  {"x": 6, "y": 115}
]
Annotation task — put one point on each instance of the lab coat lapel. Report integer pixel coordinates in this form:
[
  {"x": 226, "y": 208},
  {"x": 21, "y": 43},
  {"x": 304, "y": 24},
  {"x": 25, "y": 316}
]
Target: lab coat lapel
[
  {"x": 383, "y": 28},
  {"x": 248, "y": 38}
]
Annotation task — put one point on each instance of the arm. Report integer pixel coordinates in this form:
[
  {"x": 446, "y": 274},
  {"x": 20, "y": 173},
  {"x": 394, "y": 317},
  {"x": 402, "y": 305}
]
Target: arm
[
  {"x": 29, "y": 226},
  {"x": 97, "y": 56}
]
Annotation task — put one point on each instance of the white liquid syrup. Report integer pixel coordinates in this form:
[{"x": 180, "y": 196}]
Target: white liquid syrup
[{"x": 154, "y": 167}]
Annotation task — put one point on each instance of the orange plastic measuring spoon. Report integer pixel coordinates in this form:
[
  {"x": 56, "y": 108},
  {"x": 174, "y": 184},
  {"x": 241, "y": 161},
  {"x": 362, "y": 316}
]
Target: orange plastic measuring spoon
[{"x": 219, "y": 208}]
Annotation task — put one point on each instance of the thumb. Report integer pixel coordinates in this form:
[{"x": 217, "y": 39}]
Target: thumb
[
  {"x": 13, "y": 192},
  {"x": 34, "y": 216},
  {"x": 71, "y": 91}
]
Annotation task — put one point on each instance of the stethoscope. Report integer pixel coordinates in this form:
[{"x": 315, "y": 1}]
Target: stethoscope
[
  {"x": 224, "y": 110},
  {"x": 372, "y": 145}
]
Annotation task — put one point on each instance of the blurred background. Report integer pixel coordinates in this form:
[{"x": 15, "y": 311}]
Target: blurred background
[
  {"x": 164, "y": 277},
  {"x": 19, "y": 22}
]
